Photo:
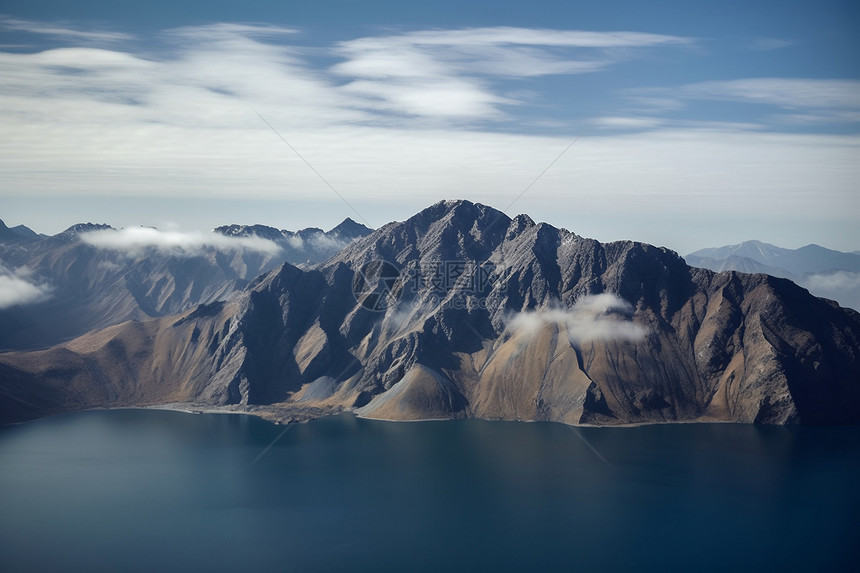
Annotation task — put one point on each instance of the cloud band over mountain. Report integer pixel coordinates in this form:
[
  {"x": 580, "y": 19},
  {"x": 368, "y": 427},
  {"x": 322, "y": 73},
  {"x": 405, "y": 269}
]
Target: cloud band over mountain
[
  {"x": 186, "y": 243},
  {"x": 16, "y": 288},
  {"x": 600, "y": 317}
]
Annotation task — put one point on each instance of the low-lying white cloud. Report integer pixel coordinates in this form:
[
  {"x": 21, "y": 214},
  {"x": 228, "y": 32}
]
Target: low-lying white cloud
[
  {"x": 319, "y": 241},
  {"x": 17, "y": 288},
  {"x": 841, "y": 286},
  {"x": 295, "y": 241},
  {"x": 187, "y": 243},
  {"x": 593, "y": 317},
  {"x": 325, "y": 242}
]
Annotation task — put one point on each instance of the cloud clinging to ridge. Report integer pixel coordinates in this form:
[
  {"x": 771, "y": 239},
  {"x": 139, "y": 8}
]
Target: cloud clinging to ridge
[
  {"x": 187, "y": 243},
  {"x": 16, "y": 288},
  {"x": 600, "y": 317}
]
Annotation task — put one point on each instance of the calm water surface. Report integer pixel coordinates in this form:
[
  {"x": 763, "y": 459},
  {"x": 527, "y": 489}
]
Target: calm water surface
[{"x": 140, "y": 490}]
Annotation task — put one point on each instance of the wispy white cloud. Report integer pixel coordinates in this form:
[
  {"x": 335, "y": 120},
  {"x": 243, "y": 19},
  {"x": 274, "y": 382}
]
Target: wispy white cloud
[
  {"x": 323, "y": 241},
  {"x": 449, "y": 98},
  {"x": 653, "y": 123},
  {"x": 594, "y": 317},
  {"x": 793, "y": 93},
  {"x": 317, "y": 240},
  {"x": 444, "y": 73},
  {"x": 178, "y": 119},
  {"x": 189, "y": 243},
  {"x": 296, "y": 242},
  {"x": 797, "y": 100},
  {"x": 91, "y": 120},
  {"x": 68, "y": 32},
  {"x": 17, "y": 288},
  {"x": 506, "y": 35},
  {"x": 766, "y": 44},
  {"x": 229, "y": 31},
  {"x": 818, "y": 117},
  {"x": 629, "y": 122}
]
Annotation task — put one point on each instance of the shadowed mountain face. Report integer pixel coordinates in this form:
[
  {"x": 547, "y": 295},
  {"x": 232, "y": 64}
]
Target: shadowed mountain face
[
  {"x": 7, "y": 234},
  {"x": 93, "y": 285},
  {"x": 25, "y": 233},
  {"x": 462, "y": 311}
]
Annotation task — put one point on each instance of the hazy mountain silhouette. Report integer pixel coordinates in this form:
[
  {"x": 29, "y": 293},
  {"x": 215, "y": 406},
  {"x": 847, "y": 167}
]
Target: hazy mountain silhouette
[{"x": 808, "y": 259}]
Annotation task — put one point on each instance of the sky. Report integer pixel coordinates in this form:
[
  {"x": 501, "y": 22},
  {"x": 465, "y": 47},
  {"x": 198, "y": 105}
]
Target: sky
[{"x": 684, "y": 124}]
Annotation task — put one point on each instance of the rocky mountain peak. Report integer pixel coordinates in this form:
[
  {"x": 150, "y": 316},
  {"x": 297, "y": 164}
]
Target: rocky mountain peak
[
  {"x": 71, "y": 234},
  {"x": 262, "y": 231},
  {"x": 447, "y": 230},
  {"x": 519, "y": 224},
  {"x": 86, "y": 228},
  {"x": 349, "y": 229},
  {"x": 460, "y": 213}
]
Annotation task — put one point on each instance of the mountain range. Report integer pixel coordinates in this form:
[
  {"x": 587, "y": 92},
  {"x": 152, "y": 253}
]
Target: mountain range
[
  {"x": 461, "y": 311},
  {"x": 825, "y": 272},
  {"x": 95, "y": 276}
]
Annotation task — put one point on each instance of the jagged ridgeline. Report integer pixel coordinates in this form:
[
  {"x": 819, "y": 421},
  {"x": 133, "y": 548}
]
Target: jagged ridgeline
[{"x": 461, "y": 311}]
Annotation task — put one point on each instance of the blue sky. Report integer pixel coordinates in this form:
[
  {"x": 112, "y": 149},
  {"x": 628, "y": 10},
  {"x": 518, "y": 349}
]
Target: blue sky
[{"x": 696, "y": 124}]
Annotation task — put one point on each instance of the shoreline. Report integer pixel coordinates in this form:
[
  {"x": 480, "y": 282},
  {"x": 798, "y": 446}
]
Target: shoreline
[
  {"x": 285, "y": 414},
  {"x": 278, "y": 415}
]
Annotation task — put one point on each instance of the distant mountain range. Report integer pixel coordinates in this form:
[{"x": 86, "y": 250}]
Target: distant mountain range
[
  {"x": 462, "y": 311},
  {"x": 825, "y": 272},
  {"x": 94, "y": 276},
  {"x": 805, "y": 260}
]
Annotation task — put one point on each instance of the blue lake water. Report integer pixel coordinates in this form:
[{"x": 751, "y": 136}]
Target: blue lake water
[{"x": 134, "y": 490}]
